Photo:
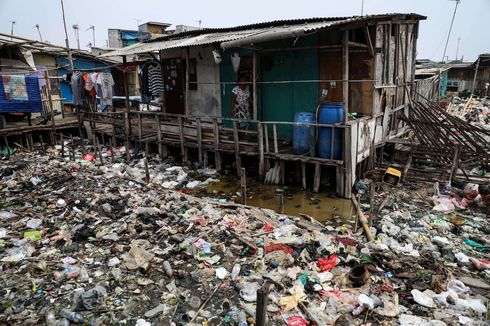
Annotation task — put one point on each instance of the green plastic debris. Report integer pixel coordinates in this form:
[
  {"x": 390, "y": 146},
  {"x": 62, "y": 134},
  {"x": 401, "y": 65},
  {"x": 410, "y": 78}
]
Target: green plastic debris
[
  {"x": 303, "y": 278},
  {"x": 32, "y": 235},
  {"x": 478, "y": 246}
]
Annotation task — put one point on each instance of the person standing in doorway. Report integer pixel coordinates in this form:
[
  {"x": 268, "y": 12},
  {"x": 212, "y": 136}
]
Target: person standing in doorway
[{"x": 241, "y": 100}]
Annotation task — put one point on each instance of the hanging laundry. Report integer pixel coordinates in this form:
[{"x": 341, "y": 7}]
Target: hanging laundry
[
  {"x": 143, "y": 78},
  {"x": 155, "y": 79},
  {"x": 77, "y": 88},
  {"x": 105, "y": 84},
  {"x": 89, "y": 85}
]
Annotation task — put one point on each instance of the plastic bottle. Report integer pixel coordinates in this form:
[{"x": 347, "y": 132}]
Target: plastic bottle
[
  {"x": 235, "y": 271},
  {"x": 51, "y": 319},
  {"x": 242, "y": 318},
  {"x": 168, "y": 268},
  {"x": 72, "y": 316}
]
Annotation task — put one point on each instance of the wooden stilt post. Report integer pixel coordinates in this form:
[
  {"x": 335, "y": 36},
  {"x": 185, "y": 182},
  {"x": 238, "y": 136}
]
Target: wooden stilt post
[
  {"x": 205, "y": 159},
  {"x": 99, "y": 148},
  {"x": 111, "y": 147},
  {"x": 126, "y": 94},
  {"x": 147, "y": 152},
  {"x": 94, "y": 145},
  {"x": 266, "y": 136},
  {"x": 282, "y": 170},
  {"x": 73, "y": 149},
  {"x": 238, "y": 161},
  {"x": 260, "y": 139},
  {"x": 262, "y": 302},
  {"x": 217, "y": 153},
  {"x": 183, "y": 149},
  {"x": 62, "y": 140},
  {"x": 280, "y": 203},
  {"x": 5, "y": 140},
  {"x": 274, "y": 132},
  {"x": 303, "y": 175},
  {"x": 42, "y": 142},
  {"x": 147, "y": 171},
  {"x": 345, "y": 98},
  {"x": 317, "y": 177},
  {"x": 243, "y": 186},
  {"x": 31, "y": 141},
  {"x": 407, "y": 167},
  {"x": 159, "y": 135},
  {"x": 126, "y": 130},
  {"x": 199, "y": 140}
]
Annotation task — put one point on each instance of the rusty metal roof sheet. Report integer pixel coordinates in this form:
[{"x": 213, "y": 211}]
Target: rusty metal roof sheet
[{"x": 272, "y": 29}]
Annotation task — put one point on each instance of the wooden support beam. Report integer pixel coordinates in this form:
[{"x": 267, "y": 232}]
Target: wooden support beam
[
  {"x": 187, "y": 57},
  {"x": 345, "y": 73},
  {"x": 347, "y": 163},
  {"x": 260, "y": 139},
  {"x": 454, "y": 167},
  {"x": 317, "y": 177},
  {"x": 238, "y": 161},
  {"x": 199, "y": 140},
  {"x": 368, "y": 41},
  {"x": 126, "y": 91},
  {"x": 217, "y": 153}
]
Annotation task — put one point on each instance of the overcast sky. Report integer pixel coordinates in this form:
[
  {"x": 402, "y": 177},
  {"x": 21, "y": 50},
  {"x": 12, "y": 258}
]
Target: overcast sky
[{"x": 471, "y": 22}]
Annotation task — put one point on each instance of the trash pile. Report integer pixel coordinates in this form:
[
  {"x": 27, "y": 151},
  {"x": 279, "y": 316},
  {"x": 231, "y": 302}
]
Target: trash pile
[
  {"x": 472, "y": 110},
  {"x": 84, "y": 243}
]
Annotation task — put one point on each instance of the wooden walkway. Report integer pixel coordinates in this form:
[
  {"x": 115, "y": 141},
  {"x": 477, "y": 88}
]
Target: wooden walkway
[{"x": 209, "y": 137}]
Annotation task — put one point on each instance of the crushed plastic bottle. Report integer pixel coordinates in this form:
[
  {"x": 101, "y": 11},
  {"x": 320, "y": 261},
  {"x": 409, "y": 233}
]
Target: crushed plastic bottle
[{"x": 72, "y": 316}]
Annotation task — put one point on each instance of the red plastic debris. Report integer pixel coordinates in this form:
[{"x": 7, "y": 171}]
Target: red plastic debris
[
  {"x": 88, "y": 157},
  {"x": 278, "y": 246},
  {"x": 297, "y": 321},
  {"x": 331, "y": 293},
  {"x": 268, "y": 227},
  {"x": 347, "y": 241},
  {"x": 327, "y": 264}
]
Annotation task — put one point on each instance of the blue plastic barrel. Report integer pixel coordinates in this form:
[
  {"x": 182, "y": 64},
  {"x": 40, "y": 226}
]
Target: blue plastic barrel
[
  {"x": 302, "y": 133},
  {"x": 330, "y": 113}
]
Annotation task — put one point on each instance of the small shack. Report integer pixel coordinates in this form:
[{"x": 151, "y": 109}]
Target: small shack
[{"x": 365, "y": 63}]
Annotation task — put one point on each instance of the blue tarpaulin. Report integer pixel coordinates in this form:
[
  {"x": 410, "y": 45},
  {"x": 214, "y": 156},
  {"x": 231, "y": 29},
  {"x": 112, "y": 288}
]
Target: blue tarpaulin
[{"x": 19, "y": 94}]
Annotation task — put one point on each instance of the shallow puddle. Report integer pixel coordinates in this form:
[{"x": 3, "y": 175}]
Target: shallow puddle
[{"x": 322, "y": 206}]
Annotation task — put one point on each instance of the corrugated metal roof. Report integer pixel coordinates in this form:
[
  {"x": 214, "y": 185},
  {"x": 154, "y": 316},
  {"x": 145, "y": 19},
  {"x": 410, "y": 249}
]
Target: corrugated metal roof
[{"x": 269, "y": 29}]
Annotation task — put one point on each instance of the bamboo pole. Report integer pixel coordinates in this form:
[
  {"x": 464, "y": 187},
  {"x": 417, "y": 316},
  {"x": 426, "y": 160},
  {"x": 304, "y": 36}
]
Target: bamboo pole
[{"x": 362, "y": 220}]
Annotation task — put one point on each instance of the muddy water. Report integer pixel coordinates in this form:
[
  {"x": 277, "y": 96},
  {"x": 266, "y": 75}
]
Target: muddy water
[{"x": 322, "y": 206}]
